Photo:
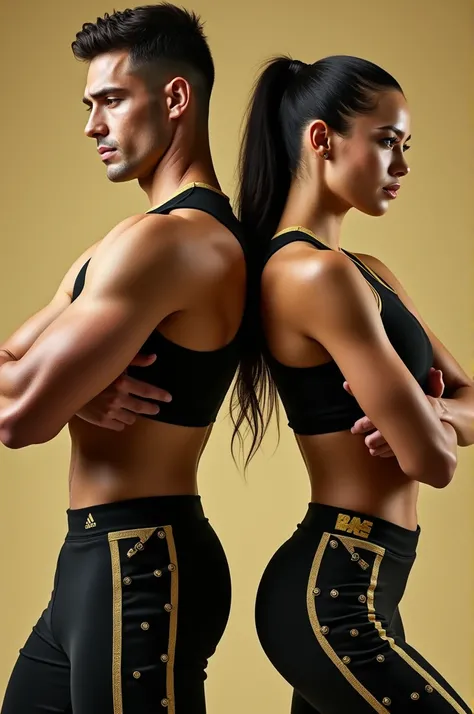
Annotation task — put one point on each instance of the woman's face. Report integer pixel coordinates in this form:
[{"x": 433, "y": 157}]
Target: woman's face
[{"x": 366, "y": 167}]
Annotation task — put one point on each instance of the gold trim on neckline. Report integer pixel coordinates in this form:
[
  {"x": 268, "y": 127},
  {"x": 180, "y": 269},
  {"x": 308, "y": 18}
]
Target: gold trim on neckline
[
  {"x": 186, "y": 187},
  {"x": 309, "y": 233}
]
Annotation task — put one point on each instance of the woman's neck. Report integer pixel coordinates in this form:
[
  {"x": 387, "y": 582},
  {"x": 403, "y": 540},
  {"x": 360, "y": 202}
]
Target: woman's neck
[{"x": 308, "y": 208}]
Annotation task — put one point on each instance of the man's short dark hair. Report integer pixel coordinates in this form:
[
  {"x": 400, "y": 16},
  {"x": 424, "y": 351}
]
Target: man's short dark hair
[{"x": 153, "y": 34}]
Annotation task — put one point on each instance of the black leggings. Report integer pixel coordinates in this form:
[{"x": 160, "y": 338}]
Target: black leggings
[
  {"x": 141, "y": 599},
  {"x": 327, "y": 617}
]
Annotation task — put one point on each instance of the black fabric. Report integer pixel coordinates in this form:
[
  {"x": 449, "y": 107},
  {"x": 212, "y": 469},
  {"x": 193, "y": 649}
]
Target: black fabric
[
  {"x": 197, "y": 381},
  {"x": 314, "y": 398},
  {"x": 68, "y": 665},
  {"x": 347, "y": 572}
]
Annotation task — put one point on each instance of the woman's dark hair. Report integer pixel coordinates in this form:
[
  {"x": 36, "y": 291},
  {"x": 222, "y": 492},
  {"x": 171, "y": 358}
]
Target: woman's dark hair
[
  {"x": 152, "y": 34},
  {"x": 288, "y": 95}
]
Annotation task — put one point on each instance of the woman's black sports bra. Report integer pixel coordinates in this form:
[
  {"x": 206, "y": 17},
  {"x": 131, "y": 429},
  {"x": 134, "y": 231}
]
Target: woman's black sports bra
[
  {"x": 314, "y": 398},
  {"x": 198, "y": 381}
]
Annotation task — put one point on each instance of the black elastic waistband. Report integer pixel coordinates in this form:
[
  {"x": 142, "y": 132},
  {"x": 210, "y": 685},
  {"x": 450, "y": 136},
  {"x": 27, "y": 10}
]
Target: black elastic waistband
[
  {"x": 342, "y": 521},
  {"x": 135, "y": 513}
]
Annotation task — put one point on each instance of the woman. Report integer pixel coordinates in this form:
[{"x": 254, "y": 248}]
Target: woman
[{"x": 343, "y": 343}]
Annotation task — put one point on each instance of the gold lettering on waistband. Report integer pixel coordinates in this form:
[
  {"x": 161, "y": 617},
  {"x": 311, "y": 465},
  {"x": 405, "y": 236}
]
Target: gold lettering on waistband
[{"x": 353, "y": 525}]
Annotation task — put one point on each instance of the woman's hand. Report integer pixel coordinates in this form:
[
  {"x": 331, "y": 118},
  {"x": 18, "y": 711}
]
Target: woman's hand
[{"x": 375, "y": 440}]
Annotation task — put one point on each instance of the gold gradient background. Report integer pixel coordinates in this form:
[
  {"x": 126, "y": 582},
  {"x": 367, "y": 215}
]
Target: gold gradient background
[{"x": 55, "y": 201}]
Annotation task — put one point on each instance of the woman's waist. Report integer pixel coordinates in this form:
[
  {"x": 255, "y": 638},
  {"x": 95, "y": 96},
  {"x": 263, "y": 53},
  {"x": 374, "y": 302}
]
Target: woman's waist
[{"x": 343, "y": 473}]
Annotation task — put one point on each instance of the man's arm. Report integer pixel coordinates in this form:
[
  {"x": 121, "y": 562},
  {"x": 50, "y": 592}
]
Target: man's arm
[
  {"x": 138, "y": 275},
  {"x": 456, "y": 406}
]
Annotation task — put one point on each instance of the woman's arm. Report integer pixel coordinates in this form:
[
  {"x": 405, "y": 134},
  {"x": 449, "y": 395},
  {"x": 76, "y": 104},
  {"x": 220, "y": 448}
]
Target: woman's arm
[
  {"x": 329, "y": 300},
  {"x": 456, "y": 405}
]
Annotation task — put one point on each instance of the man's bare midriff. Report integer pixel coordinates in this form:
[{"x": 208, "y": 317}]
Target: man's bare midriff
[
  {"x": 344, "y": 474},
  {"x": 147, "y": 459}
]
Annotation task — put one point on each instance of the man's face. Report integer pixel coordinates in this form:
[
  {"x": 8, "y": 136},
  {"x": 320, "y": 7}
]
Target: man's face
[{"x": 127, "y": 120}]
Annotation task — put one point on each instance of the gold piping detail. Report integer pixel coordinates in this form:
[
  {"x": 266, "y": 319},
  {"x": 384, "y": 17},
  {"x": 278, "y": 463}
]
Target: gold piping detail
[
  {"x": 173, "y": 620},
  {"x": 113, "y": 538},
  {"x": 323, "y": 642},
  {"x": 309, "y": 233},
  {"x": 193, "y": 184},
  {"x": 363, "y": 265},
  {"x": 383, "y": 634}
]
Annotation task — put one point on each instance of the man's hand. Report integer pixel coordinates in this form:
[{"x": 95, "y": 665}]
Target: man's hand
[
  {"x": 119, "y": 404},
  {"x": 375, "y": 441}
]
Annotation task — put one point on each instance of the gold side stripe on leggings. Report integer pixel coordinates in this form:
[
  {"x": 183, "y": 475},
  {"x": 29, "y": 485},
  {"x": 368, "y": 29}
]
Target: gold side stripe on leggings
[
  {"x": 143, "y": 534},
  {"x": 411, "y": 662},
  {"x": 311, "y": 604},
  {"x": 173, "y": 620}
]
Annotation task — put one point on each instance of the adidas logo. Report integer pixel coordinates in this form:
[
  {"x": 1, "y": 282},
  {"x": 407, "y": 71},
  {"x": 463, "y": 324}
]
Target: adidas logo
[{"x": 90, "y": 523}]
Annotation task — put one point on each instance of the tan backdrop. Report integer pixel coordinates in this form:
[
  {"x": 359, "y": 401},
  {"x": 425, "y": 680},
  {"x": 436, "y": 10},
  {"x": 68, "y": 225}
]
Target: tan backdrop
[{"x": 55, "y": 200}]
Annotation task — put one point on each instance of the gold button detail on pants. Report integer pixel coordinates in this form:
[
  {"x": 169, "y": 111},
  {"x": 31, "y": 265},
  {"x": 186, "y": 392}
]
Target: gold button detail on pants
[
  {"x": 387, "y": 701},
  {"x": 346, "y": 660},
  {"x": 164, "y": 658},
  {"x": 355, "y": 556},
  {"x": 325, "y": 630},
  {"x": 171, "y": 567},
  {"x": 362, "y": 598},
  {"x": 165, "y": 702},
  {"x": 414, "y": 696},
  {"x": 333, "y": 543},
  {"x": 145, "y": 625},
  {"x": 429, "y": 689},
  {"x": 157, "y": 573},
  {"x": 127, "y": 581},
  {"x": 137, "y": 675},
  {"x": 168, "y": 607},
  {"x": 161, "y": 534},
  {"x": 354, "y": 633},
  {"x": 380, "y": 658},
  {"x": 316, "y": 591},
  {"x": 334, "y": 593}
]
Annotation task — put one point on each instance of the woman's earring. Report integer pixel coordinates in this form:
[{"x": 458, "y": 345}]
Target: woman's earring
[{"x": 326, "y": 155}]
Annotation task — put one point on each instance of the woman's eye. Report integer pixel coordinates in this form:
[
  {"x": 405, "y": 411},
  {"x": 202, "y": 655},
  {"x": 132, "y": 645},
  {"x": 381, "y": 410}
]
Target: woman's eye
[{"x": 389, "y": 142}]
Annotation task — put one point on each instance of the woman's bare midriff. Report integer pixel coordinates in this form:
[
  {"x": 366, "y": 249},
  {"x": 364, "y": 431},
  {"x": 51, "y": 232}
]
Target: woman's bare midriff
[
  {"x": 146, "y": 459},
  {"x": 344, "y": 474}
]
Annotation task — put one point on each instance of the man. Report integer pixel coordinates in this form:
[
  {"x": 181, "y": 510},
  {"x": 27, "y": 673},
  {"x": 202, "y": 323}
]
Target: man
[{"x": 172, "y": 284}]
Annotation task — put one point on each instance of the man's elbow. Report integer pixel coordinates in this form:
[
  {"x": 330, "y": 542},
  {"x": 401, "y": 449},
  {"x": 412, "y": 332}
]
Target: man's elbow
[{"x": 18, "y": 430}]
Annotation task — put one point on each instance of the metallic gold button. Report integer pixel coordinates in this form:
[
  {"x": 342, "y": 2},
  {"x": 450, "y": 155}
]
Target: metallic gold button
[
  {"x": 387, "y": 701},
  {"x": 355, "y": 556},
  {"x": 354, "y": 633},
  {"x": 164, "y": 658},
  {"x": 325, "y": 630},
  {"x": 161, "y": 534},
  {"x": 346, "y": 660},
  {"x": 127, "y": 581},
  {"x": 316, "y": 591},
  {"x": 414, "y": 696},
  {"x": 362, "y": 598},
  {"x": 165, "y": 702},
  {"x": 171, "y": 567},
  {"x": 429, "y": 689},
  {"x": 168, "y": 607},
  {"x": 157, "y": 573},
  {"x": 145, "y": 625},
  {"x": 139, "y": 546},
  {"x": 333, "y": 543},
  {"x": 334, "y": 593},
  {"x": 137, "y": 675},
  {"x": 380, "y": 658}
]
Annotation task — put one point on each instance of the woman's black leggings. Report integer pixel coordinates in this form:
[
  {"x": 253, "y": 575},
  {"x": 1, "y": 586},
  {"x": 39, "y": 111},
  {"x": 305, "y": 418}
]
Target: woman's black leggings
[
  {"x": 141, "y": 599},
  {"x": 327, "y": 617}
]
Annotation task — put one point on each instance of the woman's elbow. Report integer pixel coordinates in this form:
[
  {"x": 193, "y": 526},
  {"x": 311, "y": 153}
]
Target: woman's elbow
[{"x": 436, "y": 469}]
